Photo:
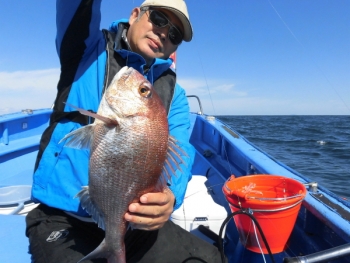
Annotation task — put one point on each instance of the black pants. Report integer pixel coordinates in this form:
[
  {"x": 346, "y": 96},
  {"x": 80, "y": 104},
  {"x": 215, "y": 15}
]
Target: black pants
[{"x": 57, "y": 237}]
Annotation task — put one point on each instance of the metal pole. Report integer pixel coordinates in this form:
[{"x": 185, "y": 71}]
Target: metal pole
[{"x": 322, "y": 256}]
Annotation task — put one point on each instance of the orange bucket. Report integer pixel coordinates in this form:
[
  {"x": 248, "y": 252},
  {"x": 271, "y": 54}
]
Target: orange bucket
[{"x": 274, "y": 201}]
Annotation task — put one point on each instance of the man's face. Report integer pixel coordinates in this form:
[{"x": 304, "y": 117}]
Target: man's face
[{"x": 148, "y": 40}]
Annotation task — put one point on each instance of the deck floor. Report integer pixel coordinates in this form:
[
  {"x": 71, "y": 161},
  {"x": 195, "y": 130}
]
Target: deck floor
[{"x": 14, "y": 243}]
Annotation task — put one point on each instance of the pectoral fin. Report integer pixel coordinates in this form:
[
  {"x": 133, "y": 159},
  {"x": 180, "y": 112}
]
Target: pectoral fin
[{"x": 80, "y": 138}]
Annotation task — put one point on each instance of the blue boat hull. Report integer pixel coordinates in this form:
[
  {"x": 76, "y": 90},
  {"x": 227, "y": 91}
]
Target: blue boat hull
[{"x": 322, "y": 223}]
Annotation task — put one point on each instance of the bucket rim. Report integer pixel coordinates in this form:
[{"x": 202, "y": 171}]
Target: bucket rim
[{"x": 238, "y": 196}]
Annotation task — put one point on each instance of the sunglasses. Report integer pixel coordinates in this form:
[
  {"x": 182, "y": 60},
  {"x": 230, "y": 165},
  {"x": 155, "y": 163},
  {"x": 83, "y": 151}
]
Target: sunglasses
[{"x": 160, "y": 20}]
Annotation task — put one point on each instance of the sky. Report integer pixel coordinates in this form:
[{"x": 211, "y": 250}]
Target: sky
[{"x": 247, "y": 57}]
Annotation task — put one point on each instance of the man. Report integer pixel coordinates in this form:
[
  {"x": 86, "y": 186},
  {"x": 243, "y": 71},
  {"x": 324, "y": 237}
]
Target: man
[{"x": 59, "y": 230}]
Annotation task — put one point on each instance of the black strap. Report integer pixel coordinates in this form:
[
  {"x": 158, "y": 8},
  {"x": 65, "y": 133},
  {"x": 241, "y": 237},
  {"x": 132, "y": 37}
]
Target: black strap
[{"x": 114, "y": 61}]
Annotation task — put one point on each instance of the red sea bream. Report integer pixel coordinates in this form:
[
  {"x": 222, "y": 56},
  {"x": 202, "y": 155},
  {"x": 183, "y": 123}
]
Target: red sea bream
[{"x": 129, "y": 147}]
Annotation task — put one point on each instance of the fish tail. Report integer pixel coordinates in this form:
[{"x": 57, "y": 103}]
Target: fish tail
[
  {"x": 102, "y": 251},
  {"x": 116, "y": 259}
]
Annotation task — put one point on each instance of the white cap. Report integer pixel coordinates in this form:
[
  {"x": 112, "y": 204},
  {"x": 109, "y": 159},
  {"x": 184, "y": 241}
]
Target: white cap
[{"x": 179, "y": 8}]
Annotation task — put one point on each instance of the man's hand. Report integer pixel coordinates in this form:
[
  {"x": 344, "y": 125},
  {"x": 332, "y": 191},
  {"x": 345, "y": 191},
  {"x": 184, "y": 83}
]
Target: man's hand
[{"x": 153, "y": 210}]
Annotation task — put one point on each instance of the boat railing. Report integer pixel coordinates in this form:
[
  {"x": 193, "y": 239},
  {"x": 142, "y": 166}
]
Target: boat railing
[{"x": 199, "y": 102}]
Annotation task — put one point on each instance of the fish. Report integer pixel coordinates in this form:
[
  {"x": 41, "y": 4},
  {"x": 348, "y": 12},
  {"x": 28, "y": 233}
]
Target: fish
[{"x": 131, "y": 153}]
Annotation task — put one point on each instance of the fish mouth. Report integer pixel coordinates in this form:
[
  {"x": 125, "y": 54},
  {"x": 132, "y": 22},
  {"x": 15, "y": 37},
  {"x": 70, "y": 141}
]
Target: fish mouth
[{"x": 124, "y": 71}]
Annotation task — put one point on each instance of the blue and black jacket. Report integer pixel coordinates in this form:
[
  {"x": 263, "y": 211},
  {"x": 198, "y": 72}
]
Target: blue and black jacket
[{"x": 89, "y": 59}]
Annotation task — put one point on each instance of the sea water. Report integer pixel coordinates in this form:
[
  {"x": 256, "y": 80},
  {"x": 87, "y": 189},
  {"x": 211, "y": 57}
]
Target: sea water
[{"x": 316, "y": 146}]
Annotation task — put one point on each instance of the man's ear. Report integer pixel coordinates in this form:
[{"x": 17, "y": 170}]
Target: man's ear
[{"x": 134, "y": 15}]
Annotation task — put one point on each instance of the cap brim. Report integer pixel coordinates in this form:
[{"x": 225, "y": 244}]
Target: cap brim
[
  {"x": 188, "y": 34},
  {"x": 185, "y": 22}
]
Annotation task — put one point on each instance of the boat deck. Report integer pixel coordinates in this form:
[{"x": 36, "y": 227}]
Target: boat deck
[
  {"x": 14, "y": 243},
  {"x": 323, "y": 221}
]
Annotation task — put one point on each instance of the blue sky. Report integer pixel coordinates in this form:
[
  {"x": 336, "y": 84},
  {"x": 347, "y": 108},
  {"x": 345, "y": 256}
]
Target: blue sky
[{"x": 251, "y": 57}]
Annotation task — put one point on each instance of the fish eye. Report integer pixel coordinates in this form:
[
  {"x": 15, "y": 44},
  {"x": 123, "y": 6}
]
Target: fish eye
[{"x": 145, "y": 91}]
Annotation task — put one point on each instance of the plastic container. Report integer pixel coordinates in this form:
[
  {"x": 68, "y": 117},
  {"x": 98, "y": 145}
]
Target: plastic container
[
  {"x": 16, "y": 199},
  {"x": 199, "y": 208},
  {"x": 274, "y": 201}
]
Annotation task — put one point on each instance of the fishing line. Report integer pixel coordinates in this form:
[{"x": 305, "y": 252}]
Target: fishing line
[
  {"x": 231, "y": 215},
  {"x": 211, "y": 99},
  {"x": 301, "y": 44},
  {"x": 247, "y": 213},
  {"x": 212, "y": 103},
  {"x": 205, "y": 78},
  {"x": 257, "y": 240}
]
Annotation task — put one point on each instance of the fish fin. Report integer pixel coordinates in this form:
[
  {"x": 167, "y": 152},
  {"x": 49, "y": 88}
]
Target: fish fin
[
  {"x": 102, "y": 251},
  {"x": 80, "y": 138},
  {"x": 172, "y": 163},
  {"x": 87, "y": 204},
  {"x": 106, "y": 120}
]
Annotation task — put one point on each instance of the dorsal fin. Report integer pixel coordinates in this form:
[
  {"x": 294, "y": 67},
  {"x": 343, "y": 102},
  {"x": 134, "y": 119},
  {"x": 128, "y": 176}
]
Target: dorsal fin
[
  {"x": 106, "y": 120},
  {"x": 172, "y": 163}
]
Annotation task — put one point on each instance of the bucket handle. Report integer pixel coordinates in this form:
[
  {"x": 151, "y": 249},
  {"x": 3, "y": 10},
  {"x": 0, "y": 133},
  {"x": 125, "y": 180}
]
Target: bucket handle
[
  {"x": 229, "y": 179},
  {"x": 271, "y": 210},
  {"x": 272, "y": 199}
]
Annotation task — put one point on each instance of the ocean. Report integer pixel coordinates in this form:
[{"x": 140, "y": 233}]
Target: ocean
[{"x": 316, "y": 146}]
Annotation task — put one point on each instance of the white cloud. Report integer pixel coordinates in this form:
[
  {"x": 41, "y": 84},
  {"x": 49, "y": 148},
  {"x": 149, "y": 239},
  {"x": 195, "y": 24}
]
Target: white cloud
[
  {"x": 212, "y": 86},
  {"x": 27, "y": 89},
  {"x": 217, "y": 96},
  {"x": 266, "y": 106},
  {"x": 227, "y": 89},
  {"x": 37, "y": 89},
  {"x": 193, "y": 86},
  {"x": 220, "y": 97},
  {"x": 232, "y": 105}
]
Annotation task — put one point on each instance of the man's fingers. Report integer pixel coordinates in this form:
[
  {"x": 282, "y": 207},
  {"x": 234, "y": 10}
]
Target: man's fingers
[
  {"x": 152, "y": 211},
  {"x": 155, "y": 198},
  {"x": 146, "y": 210},
  {"x": 143, "y": 222}
]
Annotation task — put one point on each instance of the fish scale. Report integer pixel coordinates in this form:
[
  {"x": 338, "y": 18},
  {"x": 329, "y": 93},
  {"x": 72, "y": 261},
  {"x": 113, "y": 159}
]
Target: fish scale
[{"x": 129, "y": 145}]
